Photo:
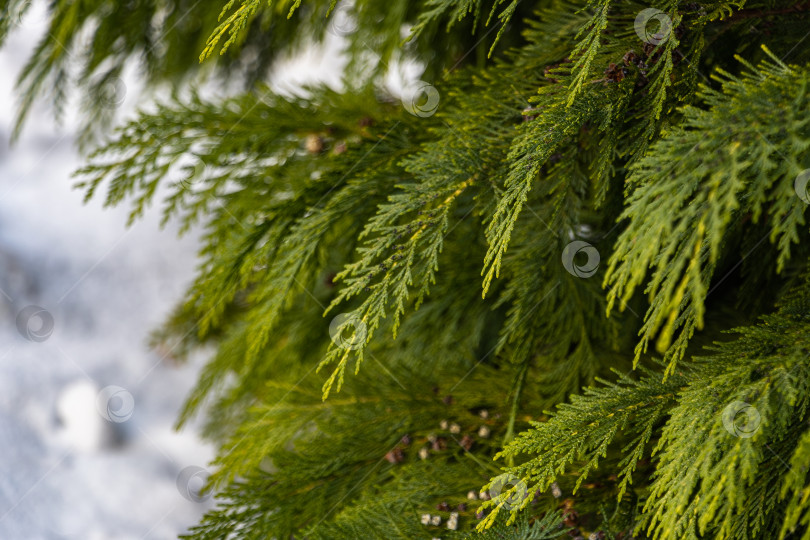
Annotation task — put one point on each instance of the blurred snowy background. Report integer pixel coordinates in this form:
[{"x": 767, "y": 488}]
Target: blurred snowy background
[{"x": 66, "y": 472}]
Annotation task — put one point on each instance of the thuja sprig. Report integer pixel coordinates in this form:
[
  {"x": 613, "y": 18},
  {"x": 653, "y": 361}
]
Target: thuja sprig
[{"x": 387, "y": 279}]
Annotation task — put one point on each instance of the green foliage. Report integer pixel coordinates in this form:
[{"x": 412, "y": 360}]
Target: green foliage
[
  {"x": 583, "y": 430},
  {"x": 677, "y": 163},
  {"x": 709, "y": 482},
  {"x": 98, "y": 38},
  {"x": 712, "y": 178}
]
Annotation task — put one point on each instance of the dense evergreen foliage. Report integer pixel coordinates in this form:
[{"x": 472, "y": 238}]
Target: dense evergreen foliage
[{"x": 558, "y": 287}]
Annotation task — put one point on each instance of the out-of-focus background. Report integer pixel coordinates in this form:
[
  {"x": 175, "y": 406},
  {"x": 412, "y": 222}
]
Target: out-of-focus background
[{"x": 66, "y": 471}]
